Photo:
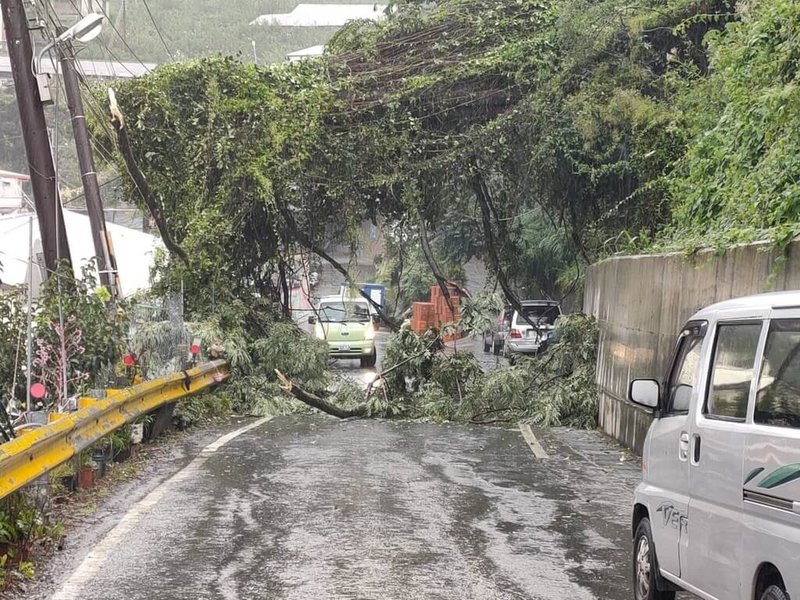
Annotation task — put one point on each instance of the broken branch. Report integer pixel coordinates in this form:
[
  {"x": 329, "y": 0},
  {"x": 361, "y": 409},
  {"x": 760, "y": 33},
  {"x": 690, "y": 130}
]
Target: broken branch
[{"x": 315, "y": 401}]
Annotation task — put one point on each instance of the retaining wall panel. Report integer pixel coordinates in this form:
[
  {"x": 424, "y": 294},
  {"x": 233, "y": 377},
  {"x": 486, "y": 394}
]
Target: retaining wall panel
[{"x": 641, "y": 303}]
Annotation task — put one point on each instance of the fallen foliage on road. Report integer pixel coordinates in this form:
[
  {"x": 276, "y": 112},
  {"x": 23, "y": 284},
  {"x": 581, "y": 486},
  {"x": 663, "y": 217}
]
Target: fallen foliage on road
[{"x": 421, "y": 380}]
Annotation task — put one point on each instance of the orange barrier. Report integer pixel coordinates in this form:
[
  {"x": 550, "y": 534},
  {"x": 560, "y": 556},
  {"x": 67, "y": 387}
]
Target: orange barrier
[{"x": 436, "y": 313}]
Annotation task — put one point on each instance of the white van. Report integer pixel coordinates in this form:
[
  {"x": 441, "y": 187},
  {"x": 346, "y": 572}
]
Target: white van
[{"x": 718, "y": 510}]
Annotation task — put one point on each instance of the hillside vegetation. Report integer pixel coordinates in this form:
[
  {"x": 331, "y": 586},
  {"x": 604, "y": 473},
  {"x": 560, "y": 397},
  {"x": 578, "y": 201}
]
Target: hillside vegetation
[
  {"x": 740, "y": 178},
  {"x": 537, "y": 135}
]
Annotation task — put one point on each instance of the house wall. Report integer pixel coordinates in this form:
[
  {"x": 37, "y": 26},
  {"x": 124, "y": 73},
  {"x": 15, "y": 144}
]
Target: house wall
[
  {"x": 10, "y": 188},
  {"x": 10, "y": 194},
  {"x": 641, "y": 302}
]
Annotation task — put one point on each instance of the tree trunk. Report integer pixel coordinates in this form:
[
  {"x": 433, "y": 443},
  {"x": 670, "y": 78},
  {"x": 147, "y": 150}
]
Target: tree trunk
[
  {"x": 318, "y": 402},
  {"x": 140, "y": 182}
]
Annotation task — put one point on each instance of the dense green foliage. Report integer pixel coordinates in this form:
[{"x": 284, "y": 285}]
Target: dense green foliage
[
  {"x": 739, "y": 179},
  {"x": 554, "y": 388},
  {"x": 483, "y": 128},
  {"x": 75, "y": 334},
  {"x": 13, "y": 326},
  {"x": 538, "y": 135},
  {"x": 24, "y": 523},
  {"x": 222, "y": 143}
]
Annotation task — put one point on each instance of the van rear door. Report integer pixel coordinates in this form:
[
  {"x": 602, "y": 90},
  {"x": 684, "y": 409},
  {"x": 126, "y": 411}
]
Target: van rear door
[{"x": 712, "y": 549}]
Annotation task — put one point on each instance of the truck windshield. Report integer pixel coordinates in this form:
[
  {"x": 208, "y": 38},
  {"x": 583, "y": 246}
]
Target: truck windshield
[{"x": 340, "y": 312}]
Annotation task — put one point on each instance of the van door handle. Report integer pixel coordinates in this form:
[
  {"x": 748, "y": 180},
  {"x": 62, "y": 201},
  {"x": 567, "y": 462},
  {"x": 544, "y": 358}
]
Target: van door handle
[
  {"x": 695, "y": 449},
  {"x": 683, "y": 448}
]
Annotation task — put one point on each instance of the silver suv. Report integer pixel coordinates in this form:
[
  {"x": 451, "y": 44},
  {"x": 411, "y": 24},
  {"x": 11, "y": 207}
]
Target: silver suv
[{"x": 514, "y": 334}]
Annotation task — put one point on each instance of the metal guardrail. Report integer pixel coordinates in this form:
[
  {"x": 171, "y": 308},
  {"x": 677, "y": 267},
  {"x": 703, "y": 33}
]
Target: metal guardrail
[{"x": 35, "y": 453}]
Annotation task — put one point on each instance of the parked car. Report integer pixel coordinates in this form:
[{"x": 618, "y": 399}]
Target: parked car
[
  {"x": 348, "y": 325},
  {"x": 492, "y": 338},
  {"x": 514, "y": 334},
  {"x": 718, "y": 510}
]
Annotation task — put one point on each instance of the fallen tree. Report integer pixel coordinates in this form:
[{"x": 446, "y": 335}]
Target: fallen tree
[{"x": 424, "y": 380}]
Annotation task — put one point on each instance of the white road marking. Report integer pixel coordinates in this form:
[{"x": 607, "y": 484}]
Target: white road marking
[
  {"x": 72, "y": 588},
  {"x": 533, "y": 443}
]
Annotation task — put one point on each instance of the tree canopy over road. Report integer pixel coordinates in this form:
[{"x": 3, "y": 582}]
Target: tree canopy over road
[{"x": 537, "y": 135}]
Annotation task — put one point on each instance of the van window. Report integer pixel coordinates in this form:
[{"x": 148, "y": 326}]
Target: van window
[
  {"x": 732, "y": 370},
  {"x": 684, "y": 374},
  {"x": 778, "y": 399}
]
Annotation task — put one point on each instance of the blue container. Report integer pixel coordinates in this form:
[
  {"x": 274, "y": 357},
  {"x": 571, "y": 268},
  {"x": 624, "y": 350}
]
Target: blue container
[{"x": 375, "y": 291}]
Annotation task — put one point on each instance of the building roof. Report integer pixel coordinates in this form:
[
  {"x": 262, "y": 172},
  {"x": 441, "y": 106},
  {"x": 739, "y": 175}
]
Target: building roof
[
  {"x": 92, "y": 68},
  {"x": 323, "y": 15},
  {"x": 12, "y": 175},
  {"x": 310, "y": 52}
]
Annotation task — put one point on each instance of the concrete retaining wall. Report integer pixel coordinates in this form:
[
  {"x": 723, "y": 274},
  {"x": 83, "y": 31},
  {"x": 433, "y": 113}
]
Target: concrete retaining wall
[{"x": 641, "y": 302}]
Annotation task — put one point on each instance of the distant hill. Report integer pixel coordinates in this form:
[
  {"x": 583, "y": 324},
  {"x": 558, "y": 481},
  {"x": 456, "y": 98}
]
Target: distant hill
[{"x": 193, "y": 28}]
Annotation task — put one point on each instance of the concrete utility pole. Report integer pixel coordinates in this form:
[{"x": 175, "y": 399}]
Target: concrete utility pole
[
  {"x": 106, "y": 264},
  {"x": 34, "y": 130}
]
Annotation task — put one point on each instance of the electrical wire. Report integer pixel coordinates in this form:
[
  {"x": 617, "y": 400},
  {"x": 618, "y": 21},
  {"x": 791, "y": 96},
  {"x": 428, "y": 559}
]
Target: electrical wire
[
  {"x": 116, "y": 31},
  {"x": 83, "y": 195},
  {"x": 158, "y": 30},
  {"x": 121, "y": 37}
]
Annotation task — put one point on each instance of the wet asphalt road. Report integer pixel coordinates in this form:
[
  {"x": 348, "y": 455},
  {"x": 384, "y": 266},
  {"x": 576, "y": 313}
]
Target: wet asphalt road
[{"x": 316, "y": 508}]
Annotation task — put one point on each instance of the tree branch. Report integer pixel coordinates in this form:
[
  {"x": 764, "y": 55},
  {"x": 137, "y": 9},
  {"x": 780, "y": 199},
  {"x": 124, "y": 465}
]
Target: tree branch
[
  {"x": 303, "y": 239},
  {"x": 315, "y": 401},
  {"x": 136, "y": 175},
  {"x": 485, "y": 202},
  {"x": 427, "y": 251}
]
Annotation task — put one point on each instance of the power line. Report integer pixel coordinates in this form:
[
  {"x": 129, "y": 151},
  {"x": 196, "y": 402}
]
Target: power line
[
  {"x": 81, "y": 195},
  {"x": 52, "y": 15},
  {"x": 119, "y": 35},
  {"x": 158, "y": 30}
]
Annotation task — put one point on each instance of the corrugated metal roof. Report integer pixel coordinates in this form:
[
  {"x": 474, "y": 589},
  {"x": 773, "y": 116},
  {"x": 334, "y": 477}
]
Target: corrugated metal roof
[
  {"x": 94, "y": 68},
  {"x": 309, "y": 52}
]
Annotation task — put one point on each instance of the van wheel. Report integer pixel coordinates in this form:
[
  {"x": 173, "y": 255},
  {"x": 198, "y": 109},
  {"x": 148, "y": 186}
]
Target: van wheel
[
  {"x": 369, "y": 360},
  {"x": 774, "y": 592},
  {"x": 645, "y": 566}
]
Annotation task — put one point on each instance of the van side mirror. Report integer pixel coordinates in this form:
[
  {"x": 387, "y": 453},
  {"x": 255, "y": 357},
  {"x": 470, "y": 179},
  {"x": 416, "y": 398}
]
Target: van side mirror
[
  {"x": 376, "y": 322},
  {"x": 312, "y": 320},
  {"x": 644, "y": 392}
]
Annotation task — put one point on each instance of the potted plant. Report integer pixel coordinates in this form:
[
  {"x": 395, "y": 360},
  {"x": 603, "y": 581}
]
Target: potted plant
[
  {"x": 65, "y": 477},
  {"x": 86, "y": 471},
  {"x": 121, "y": 445}
]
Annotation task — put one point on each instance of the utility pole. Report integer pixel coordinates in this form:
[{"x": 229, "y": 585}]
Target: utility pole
[
  {"x": 34, "y": 130},
  {"x": 106, "y": 263}
]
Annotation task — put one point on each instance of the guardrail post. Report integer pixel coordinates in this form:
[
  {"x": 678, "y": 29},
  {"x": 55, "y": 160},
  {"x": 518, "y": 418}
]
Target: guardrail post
[{"x": 162, "y": 421}]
